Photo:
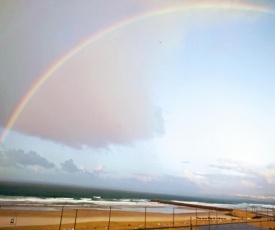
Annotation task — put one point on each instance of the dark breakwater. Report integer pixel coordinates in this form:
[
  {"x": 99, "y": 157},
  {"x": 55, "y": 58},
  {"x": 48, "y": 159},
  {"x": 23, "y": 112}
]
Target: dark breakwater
[{"x": 192, "y": 205}]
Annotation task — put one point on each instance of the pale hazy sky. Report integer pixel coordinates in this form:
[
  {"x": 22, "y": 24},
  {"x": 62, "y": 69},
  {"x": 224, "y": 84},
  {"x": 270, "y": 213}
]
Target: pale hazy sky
[{"x": 153, "y": 95}]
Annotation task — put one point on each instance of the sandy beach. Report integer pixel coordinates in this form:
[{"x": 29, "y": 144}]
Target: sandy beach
[{"x": 92, "y": 218}]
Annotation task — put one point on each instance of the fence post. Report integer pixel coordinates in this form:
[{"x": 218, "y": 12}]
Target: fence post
[
  {"x": 196, "y": 218},
  {"x": 173, "y": 216},
  {"x": 209, "y": 215},
  {"x": 145, "y": 219},
  {"x": 109, "y": 221},
  {"x": 61, "y": 218},
  {"x": 75, "y": 218},
  {"x": 15, "y": 219}
]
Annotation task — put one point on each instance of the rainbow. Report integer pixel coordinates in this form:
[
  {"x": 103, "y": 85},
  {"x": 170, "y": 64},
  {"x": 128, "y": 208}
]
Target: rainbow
[{"x": 110, "y": 29}]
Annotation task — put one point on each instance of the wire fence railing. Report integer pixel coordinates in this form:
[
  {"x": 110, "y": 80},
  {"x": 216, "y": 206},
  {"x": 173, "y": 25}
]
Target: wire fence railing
[{"x": 120, "y": 218}]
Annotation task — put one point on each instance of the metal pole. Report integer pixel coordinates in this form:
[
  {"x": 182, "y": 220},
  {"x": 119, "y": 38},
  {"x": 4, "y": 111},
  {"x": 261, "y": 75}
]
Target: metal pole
[
  {"x": 261, "y": 210},
  {"x": 145, "y": 219},
  {"x": 61, "y": 218},
  {"x": 196, "y": 218},
  {"x": 260, "y": 221},
  {"x": 173, "y": 216},
  {"x": 246, "y": 214},
  {"x": 15, "y": 221},
  {"x": 209, "y": 220},
  {"x": 75, "y": 218},
  {"x": 109, "y": 217}
]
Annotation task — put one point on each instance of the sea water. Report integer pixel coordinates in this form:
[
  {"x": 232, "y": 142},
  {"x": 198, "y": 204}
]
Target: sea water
[{"x": 31, "y": 196}]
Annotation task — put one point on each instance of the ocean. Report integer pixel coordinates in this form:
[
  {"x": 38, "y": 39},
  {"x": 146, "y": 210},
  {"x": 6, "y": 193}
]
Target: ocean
[{"x": 46, "y": 196}]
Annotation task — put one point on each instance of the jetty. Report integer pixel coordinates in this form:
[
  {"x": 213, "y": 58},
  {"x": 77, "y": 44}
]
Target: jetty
[{"x": 178, "y": 203}]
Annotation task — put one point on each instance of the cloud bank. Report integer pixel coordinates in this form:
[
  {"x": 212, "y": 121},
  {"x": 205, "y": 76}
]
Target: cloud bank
[
  {"x": 69, "y": 166},
  {"x": 258, "y": 177},
  {"x": 20, "y": 158},
  {"x": 94, "y": 99}
]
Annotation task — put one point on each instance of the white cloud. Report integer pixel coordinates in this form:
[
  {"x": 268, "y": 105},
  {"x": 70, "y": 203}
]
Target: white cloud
[
  {"x": 195, "y": 177},
  {"x": 98, "y": 169},
  {"x": 257, "y": 176},
  {"x": 268, "y": 174},
  {"x": 145, "y": 178},
  {"x": 250, "y": 184}
]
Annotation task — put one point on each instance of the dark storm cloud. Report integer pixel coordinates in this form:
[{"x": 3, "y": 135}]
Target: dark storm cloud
[
  {"x": 69, "y": 166},
  {"x": 19, "y": 157}
]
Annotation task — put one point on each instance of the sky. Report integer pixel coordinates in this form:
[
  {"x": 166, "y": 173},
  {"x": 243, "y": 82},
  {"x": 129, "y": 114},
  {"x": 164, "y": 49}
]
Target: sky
[{"x": 166, "y": 96}]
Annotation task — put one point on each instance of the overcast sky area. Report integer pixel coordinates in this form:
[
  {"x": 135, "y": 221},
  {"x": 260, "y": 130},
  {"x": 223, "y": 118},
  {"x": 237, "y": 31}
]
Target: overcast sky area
[{"x": 161, "y": 96}]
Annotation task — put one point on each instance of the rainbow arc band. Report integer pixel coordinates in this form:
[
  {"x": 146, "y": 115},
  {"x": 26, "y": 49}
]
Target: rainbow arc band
[{"x": 110, "y": 29}]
